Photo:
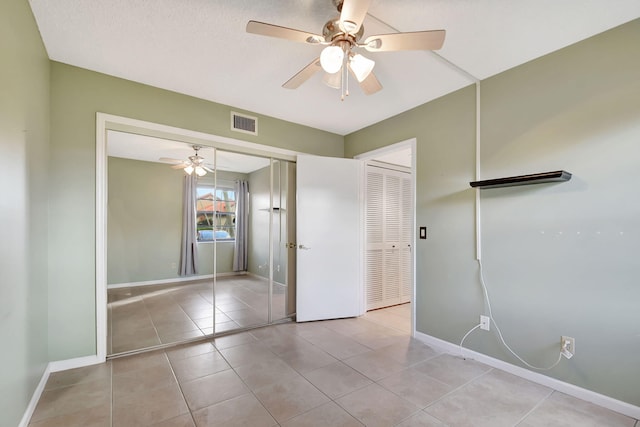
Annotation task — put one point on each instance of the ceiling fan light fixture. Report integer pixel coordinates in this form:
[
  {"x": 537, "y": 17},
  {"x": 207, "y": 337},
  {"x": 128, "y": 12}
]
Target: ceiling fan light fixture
[
  {"x": 189, "y": 170},
  {"x": 361, "y": 66},
  {"x": 331, "y": 59},
  {"x": 200, "y": 171},
  {"x": 333, "y": 80}
]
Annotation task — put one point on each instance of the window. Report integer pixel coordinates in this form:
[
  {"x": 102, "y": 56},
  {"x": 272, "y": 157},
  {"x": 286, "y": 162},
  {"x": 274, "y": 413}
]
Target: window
[{"x": 216, "y": 215}]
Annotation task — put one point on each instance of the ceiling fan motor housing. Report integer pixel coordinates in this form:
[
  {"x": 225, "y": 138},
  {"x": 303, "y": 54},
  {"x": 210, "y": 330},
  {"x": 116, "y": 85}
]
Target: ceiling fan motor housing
[{"x": 333, "y": 33}]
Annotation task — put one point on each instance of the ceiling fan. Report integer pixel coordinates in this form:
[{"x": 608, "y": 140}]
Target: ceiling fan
[
  {"x": 193, "y": 163},
  {"x": 341, "y": 36}
]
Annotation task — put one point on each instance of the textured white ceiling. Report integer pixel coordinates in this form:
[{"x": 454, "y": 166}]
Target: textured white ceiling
[
  {"x": 200, "y": 48},
  {"x": 151, "y": 149}
]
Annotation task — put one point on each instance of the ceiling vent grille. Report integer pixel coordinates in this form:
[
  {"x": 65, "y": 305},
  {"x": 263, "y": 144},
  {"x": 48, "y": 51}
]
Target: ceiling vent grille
[{"x": 243, "y": 123}]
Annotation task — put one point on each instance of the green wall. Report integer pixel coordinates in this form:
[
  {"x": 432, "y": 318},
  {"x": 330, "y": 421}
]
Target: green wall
[
  {"x": 144, "y": 217},
  {"x": 559, "y": 259},
  {"x": 76, "y": 96},
  {"x": 24, "y": 141}
]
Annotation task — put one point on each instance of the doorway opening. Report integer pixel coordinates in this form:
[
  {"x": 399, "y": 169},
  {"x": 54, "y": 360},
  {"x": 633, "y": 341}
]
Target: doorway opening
[{"x": 389, "y": 234}]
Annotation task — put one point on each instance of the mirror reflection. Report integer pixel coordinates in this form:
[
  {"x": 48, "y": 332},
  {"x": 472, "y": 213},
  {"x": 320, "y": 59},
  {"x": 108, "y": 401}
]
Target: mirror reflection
[
  {"x": 199, "y": 241},
  {"x": 255, "y": 291}
]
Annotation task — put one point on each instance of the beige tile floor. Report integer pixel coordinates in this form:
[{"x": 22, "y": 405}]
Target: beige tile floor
[
  {"x": 147, "y": 316},
  {"x": 350, "y": 372}
]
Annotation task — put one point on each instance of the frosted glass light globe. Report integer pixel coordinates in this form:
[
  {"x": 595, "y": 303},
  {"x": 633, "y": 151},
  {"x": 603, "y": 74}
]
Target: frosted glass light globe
[{"x": 331, "y": 59}]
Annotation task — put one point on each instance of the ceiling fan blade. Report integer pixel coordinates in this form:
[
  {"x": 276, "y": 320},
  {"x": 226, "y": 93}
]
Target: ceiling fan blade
[
  {"x": 419, "y": 40},
  {"x": 169, "y": 160},
  {"x": 370, "y": 85},
  {"x": 271, "y": 30},
  {"x": 179, "y": 166},
  {"x": 208, "y": 169},
  {"x": 303, "y": 75},
  {"x": 353, "y": 13}
]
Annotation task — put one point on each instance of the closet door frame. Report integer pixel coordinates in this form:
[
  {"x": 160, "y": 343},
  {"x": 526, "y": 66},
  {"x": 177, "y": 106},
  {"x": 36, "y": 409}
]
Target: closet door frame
[
  {"x": 105, "y": 122},
  {"x": 370, "y": 155}
]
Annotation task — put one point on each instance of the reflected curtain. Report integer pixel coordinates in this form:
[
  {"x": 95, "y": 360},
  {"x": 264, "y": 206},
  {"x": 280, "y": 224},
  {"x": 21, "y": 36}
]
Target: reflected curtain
[
  {"x": 189, "y": 247},
  {"x": 241, "y": 251}
]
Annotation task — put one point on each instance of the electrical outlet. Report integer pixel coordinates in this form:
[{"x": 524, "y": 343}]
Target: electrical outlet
[
  {"x": 485, "y": 321},
  {"x": 567, "y": 346}
]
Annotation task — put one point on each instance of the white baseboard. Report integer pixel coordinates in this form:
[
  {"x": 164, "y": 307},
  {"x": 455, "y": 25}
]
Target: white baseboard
[
  {"x": 175, "y": 280},
  {"x": 31, "y": 407},
  {"x": 561, "y": 386},
  {"x": 232, "y": 273},
  {"x": 257, "y": 276},
  {"x": 78, "y": 362},
  {"x": 59, "y": 365},
  {"x": 160, "y": 281}
]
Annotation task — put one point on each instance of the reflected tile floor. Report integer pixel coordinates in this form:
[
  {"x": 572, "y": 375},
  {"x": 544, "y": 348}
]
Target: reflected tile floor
[
  {"x": 146, "y": 316},
  {"x": 349, "y": 372}
]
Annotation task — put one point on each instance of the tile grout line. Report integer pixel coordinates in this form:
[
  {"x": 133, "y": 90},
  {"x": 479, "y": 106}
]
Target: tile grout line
[
  {"x": 422, "y": 409},
  {"x": 304, "y": 378},
  {"x": 175, "y": 377},
  {"x": 153, "y": 323},
  {"x": 111, "y": 401},
  {"x": 342, "y": 361},
  {"x": 456, "y": 389},
  {"x": 245, "y": 384},
  {"x": 175, "y": 302},
  {"x": 536, "y": 406},
  {"x": 192, "y": 319}
]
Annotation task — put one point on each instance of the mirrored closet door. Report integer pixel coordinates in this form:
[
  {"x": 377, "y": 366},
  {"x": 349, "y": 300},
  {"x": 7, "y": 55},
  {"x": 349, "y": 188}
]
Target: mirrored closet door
[
  {"x": 252, "y": 278},
  {"x": 200, "y": 241}
]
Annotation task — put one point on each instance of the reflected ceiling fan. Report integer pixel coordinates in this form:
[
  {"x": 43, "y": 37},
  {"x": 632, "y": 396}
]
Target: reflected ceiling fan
[
  {"x": 193, "y": 163},
  {"x": 341, "y": 36}
]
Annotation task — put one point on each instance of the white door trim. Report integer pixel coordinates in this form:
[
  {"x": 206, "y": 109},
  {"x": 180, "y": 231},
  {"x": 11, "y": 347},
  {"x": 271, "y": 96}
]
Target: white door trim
[{"x": 409, "y": 143}]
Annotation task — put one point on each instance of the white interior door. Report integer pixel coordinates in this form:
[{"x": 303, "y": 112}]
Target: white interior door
[{"x": 329, "y": 237}]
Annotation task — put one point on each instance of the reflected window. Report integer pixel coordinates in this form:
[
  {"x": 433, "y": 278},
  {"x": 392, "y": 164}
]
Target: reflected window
[{"x": 216, "y": 213}]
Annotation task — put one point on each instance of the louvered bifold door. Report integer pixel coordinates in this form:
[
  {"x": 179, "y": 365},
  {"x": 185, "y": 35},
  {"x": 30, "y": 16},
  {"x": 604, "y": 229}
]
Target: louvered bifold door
[
  {"x": 373, "y": 230},
  {"x": 388, "y": 225},
  {"x": 392, "y": 233}
]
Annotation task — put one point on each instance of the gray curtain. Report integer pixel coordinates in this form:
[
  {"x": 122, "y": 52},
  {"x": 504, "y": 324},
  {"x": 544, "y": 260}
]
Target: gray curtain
[
  {"x": 240, "y": 261},
  {"x": 189, "y": 247}
]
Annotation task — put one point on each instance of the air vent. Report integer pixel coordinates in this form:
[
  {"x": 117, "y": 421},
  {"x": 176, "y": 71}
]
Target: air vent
[{"x": 244, "y": 124}]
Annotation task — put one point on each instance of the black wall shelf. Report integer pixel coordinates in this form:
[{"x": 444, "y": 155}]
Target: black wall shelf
[{"x": 536, "y": 178}]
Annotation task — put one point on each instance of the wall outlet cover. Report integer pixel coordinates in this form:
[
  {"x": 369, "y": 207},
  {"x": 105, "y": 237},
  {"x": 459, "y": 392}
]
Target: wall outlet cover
[
  {"x": 485, "y": 322},
  {"x": 567, "y": 346}
]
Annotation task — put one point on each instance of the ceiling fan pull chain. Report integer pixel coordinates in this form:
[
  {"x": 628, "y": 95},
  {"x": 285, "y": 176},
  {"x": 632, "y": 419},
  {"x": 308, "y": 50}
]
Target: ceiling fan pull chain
[
  {"x": 342, "y": 82},
  {"x": 346, "y": 79},
  {"x": 344, "y": 75}
]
